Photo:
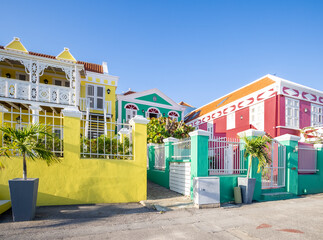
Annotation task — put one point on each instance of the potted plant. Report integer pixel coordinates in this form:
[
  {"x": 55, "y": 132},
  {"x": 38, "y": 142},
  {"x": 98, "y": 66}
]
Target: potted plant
[
  {"x": 29, "y": 143},
  {"x": 253, "y": 148}
]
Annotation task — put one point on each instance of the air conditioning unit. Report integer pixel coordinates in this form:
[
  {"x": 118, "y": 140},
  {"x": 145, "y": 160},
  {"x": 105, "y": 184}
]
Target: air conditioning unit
[{"x": 206, "y": 192}]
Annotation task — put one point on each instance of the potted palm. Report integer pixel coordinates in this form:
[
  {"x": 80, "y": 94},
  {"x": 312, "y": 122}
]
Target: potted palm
[
  {"x": 254, "y": 148},
  {"x": 28, "y": 143}
]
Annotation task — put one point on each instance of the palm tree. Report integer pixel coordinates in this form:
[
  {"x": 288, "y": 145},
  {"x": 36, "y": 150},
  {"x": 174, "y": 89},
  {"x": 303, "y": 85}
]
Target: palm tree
[
  {"x": 257, "y": 148},
  {"x": 29, "y": 143}
]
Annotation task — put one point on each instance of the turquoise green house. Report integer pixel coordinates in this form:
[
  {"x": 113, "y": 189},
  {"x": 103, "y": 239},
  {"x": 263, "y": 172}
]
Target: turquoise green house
[{"x": 149, "y": 104}]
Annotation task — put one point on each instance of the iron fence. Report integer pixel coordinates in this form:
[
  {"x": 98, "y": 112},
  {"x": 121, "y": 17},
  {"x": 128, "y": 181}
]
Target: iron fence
[
  {"x": 182, "y": 150},
  {"x": 20, "y": 117},
  {"x": 159, "y": 161},
  {"x": 102, "y": 138},
  {"x": 226, "y": 156}
]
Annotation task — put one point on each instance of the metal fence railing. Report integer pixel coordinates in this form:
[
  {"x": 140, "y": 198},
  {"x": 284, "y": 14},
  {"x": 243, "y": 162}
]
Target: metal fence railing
[
  {"x": 273, "y": 175},
  {"x": 307, "y": 159},
  {"x": 226, "y": 156},
  {"x": 182, "y": 150},
  {"x": 102, "y": 138},
  {"x": 20, "y": 117},
  {"x": 159, "y": 161}
]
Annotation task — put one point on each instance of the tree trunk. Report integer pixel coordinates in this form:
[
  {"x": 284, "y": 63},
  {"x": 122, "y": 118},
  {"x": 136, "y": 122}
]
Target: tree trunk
[
  {"x": 249, "y": 166},
  {"x": 24, "y": 166}
]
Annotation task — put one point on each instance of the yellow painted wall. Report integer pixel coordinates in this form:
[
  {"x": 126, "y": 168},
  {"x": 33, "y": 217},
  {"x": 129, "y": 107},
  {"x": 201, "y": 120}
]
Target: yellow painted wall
[
  {"x": 108, "y": 97},
  {"x": 48, "y": 74},
  {"x": 79, "y": 181}
]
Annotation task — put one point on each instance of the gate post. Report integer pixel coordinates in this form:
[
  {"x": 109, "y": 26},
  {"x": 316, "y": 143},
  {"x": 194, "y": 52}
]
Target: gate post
[
  {"x": 252, "y": 133},
  {"x": 199, "y": 155},
  {"x": 291, "y": 144}
]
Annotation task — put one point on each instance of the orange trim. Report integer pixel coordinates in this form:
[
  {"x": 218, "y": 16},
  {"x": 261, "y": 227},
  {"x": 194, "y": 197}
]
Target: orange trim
[{"x": 225, "y": 100}]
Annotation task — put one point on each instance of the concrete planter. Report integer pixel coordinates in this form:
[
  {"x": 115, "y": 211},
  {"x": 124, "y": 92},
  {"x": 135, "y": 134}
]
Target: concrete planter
[
  {"x": 247, "y": 186},
  {"x": 23, "y": 194}
]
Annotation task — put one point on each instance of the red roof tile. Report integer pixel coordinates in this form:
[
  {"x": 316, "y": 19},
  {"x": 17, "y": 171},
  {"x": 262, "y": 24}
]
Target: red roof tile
[{"x": 92, "y": 67}]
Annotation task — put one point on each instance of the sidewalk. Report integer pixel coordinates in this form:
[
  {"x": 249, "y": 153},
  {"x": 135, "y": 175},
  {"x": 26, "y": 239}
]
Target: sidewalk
[{"x": 163, "y": 199}]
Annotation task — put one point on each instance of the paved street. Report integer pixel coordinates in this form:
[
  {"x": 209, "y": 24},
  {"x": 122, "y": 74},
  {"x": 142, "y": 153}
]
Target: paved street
[{"x": 300, "y": 218}]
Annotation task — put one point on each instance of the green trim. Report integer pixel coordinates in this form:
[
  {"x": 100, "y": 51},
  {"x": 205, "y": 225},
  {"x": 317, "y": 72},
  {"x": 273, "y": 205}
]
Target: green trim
[
  {"x": 150, "y": 98},
  {"x": 163, "y": 111},
  {"x": 199, "y": 158}
]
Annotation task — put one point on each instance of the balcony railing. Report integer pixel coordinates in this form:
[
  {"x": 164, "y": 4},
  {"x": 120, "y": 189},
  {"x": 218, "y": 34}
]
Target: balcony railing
[
  {"x": 17, "y": 89},
  {"x": 85, "y": 104}
]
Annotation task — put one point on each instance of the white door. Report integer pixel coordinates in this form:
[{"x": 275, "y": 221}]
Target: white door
[{"x": 180, "y": 177}]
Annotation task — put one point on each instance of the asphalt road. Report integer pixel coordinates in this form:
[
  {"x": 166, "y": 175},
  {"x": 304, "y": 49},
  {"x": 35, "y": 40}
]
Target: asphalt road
[{"x": 300, "y": 218}]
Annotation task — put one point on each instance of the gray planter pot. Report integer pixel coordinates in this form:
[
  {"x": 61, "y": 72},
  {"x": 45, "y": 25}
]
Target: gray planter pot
[
  {"x": 247, "y": 186},
  {"x": 23, "y": 194}
]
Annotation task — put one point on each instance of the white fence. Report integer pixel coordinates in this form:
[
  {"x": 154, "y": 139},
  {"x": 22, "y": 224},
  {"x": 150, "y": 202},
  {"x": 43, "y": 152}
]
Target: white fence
[
  {"x": 100, "y": 139},
  {"x": 159, "y": 156},
  {"x": 273, "y": 175},
  {"x": 226, "y": 156},
  {"x": 182, "y": 150},
  {"x": 18, "y": 118}
]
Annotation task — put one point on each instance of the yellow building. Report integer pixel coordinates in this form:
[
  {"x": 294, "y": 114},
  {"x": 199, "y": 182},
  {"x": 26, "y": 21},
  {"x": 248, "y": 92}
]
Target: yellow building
[{"x": 36, "y": 87}]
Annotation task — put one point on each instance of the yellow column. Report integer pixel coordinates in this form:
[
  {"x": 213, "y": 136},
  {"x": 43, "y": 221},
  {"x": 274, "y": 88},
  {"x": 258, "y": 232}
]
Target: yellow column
[
  {"x": 139, "y": 136},
  {"x": 72, "y": 131}
]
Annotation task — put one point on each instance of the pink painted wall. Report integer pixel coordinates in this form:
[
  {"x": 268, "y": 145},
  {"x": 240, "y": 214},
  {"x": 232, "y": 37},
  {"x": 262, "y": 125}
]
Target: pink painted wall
[
  {"x": 304, "y": 117},
  {"x": 203, "y": 126},
  {"x": 281, "y": 112},
  {"x": 271, "y": 116},
  {"x": 220, "y": 124}
]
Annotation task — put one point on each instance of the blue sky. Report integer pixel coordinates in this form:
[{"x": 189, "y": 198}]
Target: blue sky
[{"x": 194, "y": 51}]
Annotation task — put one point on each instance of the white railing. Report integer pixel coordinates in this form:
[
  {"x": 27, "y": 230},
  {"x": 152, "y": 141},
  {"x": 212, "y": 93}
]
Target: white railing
[
  {"x": 226, "y": 156},
  {"x": 85, "y": 105},
  {"x": 159, "y": 156},
  {"x": 273, "y": 175},
  {"x": 17, "y": 89},
  {"x": 100, "y": 139},
  {"x": 22, "y": 117},
  {"x": 182, "y": 150}
]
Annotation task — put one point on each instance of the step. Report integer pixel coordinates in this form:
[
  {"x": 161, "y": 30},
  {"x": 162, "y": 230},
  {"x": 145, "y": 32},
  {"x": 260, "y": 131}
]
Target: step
[
  {"x": 277, "y": 196},
  {"x": 4, "y": 205}
]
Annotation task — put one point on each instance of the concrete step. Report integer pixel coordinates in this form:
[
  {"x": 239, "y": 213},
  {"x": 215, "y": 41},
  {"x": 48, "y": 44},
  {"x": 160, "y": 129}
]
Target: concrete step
[
  {"x": 277, "y": 196},
  {"x": 4, "y": 205}
]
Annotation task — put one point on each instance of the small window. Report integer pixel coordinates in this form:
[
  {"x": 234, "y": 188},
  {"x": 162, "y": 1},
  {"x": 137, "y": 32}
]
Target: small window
[
  {"x": 58, "y": 82},
  {"x": 257, "y": 116},
  {"x": 173, "y": 115},
  {"x": 152, "y": 113},
  {"x": 67, "y": 84},
  {"x": 292, "y": 113},
  {"x": 316, "y": 115},
  {"x": 231, "y": 120},
  {"x": 95, "y": 95},
  {"x": 22, "y": 76},
  {"x": 58, "y": 133}
]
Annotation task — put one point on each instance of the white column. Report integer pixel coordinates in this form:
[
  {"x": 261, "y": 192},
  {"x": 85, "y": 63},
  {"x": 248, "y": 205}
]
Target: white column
[{"x": 35, "y": 113}]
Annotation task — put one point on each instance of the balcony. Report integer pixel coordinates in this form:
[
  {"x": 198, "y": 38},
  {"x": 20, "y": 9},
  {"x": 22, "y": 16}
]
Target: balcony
[
  {"x": 85, "y": 106},
  {"x": 27, "y": 91}
]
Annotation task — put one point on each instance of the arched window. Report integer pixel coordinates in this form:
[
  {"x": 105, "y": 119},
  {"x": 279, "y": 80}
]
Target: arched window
[
  {"x": 131, "y": 111},
  {"x": 152, "y": 113},
  {"x": 173, "y": 115}
]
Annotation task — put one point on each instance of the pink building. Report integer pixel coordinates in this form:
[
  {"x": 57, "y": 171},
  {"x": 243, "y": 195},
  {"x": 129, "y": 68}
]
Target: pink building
[{"x": 270, "y": 104}]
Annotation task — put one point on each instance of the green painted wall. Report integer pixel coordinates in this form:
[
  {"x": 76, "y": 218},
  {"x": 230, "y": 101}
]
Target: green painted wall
[
  {"x": 163, "y": 111},
  {"x": 312, "y": 183},
  {"x": 291, "y": 178},
  {"x": 227, "y": 183},
  {"x": 199, "y": 158},
  {"x": 160, "y": 177},
  {"x": 150, "y": 98}
]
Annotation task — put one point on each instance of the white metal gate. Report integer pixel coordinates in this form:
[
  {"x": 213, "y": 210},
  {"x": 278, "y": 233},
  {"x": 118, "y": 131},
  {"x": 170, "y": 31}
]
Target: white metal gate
[
  {"x": 180, "y": 177},
  {"x": 273, "y": 176}
]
